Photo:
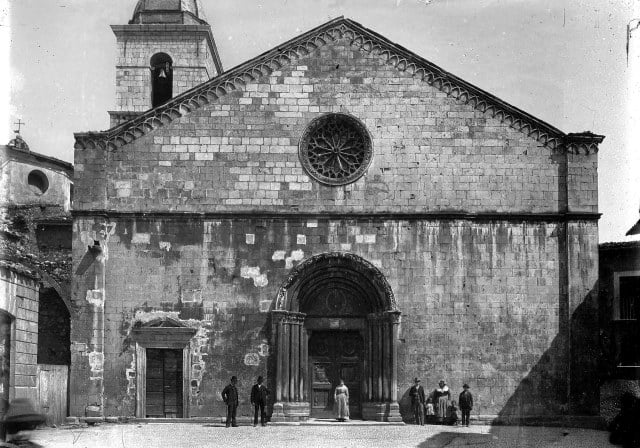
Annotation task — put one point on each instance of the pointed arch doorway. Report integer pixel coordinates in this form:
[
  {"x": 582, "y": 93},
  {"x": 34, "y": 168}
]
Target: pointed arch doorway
[{"x": 335, "y": 318}]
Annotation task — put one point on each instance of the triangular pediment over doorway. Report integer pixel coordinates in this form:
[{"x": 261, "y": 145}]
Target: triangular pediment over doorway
[
  {"x": 161, "y": 322},
  {"x": 366, "y": 41},
  {"x": 163, "y": 332}
]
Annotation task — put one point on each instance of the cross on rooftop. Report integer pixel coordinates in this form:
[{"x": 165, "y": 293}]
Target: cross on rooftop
[{"x": 19, "y": 123}]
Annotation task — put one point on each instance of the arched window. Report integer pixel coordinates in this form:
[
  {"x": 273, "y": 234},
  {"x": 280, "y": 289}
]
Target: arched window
[
  {"x": 161, "y": 79},
  {"x": 54, "y": 328}
]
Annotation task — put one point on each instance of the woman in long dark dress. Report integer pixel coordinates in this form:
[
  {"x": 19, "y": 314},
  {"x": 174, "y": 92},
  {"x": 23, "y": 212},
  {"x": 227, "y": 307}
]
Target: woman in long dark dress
[{"x": 441, "y": 398}]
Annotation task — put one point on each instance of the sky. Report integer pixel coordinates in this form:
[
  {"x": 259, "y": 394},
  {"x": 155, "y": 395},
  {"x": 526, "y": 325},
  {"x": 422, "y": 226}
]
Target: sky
[{"x": 563, "y": 61}]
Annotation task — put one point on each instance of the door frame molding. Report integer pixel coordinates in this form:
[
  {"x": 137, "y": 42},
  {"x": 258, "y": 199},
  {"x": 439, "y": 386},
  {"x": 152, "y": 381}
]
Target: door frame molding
[{"x": 168, "y": 338}]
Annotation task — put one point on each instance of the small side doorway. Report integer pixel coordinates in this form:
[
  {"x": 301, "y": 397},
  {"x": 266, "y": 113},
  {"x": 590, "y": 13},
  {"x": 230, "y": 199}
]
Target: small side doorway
[
  {"x": 164, "y": 383},
  {"x": 335, "y": 355}
]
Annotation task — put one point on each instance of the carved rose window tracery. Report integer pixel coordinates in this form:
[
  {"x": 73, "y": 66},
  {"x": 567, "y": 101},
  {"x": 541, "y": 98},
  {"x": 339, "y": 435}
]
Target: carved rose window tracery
[{"x": 335, "y": 149}]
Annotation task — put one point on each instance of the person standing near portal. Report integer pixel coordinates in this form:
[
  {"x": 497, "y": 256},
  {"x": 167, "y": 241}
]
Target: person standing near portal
[
  {"x": 441, "y": 397},
  {"x": 466, "y": 404},
  {"x": 230, "y": 398},
  {"x": 259, "y": 394},
  {"x": 341, "y": 399},
  {"x": 417, "y": 401}
]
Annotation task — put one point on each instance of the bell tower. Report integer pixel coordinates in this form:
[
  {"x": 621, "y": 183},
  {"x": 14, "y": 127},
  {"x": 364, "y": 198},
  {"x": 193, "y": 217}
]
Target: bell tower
[{"x": 166, "y": 49}]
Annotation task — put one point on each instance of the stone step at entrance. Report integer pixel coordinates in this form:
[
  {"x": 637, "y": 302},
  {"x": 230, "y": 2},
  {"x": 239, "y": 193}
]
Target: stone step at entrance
[
  {"x": 220, "y": 421},
  {"x": 334, "y": 422}
]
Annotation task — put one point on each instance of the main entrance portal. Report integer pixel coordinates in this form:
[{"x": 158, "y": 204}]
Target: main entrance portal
[
  {"x": 335, "y": 318},
  {"x": 335, "y": 355}
]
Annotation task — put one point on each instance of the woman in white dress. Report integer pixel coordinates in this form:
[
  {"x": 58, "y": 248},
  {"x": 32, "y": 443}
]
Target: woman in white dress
[{"x": 341, "y": 399}]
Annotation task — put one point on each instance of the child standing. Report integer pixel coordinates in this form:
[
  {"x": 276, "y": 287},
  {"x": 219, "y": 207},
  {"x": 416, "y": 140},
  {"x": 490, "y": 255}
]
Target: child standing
[
  {"x": 453, "y": 414},
  {"x": 428, "y": 410},
  {"x": 466, "y": 404}
]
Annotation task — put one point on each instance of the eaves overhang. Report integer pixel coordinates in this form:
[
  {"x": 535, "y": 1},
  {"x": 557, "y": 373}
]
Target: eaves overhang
[
  {"x": 7, "y": 153},
  {"x": 367, "y": 41},
  {"x": 133, "y": 30}
]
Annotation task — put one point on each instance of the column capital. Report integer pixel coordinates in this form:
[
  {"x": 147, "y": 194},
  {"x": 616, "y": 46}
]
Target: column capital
[
  {"x": 385, "y": 316},
  {"x": 375, "y": 317},
  {"x": 288, "y": 317},
  {"x": 394, "y": 316}
]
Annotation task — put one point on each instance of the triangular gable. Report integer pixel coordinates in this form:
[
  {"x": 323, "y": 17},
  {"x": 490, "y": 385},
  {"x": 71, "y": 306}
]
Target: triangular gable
[
  {"x": 368, "y": 41},
  {"x": 634, "y": 230},
  {"x": 161, "y": 322}
]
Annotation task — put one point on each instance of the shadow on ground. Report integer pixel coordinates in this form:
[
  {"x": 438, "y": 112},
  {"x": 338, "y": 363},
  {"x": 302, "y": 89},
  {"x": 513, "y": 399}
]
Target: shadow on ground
[{"x": 452, "y": 439}]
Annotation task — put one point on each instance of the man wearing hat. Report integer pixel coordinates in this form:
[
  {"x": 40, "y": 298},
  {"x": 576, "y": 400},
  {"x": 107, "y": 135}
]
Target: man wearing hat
[
  {"x": 259, "y": 394},
  {"x": 230, "y": 398},
  {"x": 417, "y": 401},
  {"x": 465, "y": 401}
]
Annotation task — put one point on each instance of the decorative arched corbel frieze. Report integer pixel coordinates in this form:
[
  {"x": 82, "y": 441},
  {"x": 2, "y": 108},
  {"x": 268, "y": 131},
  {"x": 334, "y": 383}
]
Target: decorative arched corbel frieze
[
  {"x": 358, "y": 37},
  {"x": 582, "y": 143}
]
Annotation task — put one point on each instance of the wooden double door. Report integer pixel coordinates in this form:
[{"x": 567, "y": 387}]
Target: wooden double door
[
  {"x": 164, "y": 383},
  {"x": 335, "y": 355}
]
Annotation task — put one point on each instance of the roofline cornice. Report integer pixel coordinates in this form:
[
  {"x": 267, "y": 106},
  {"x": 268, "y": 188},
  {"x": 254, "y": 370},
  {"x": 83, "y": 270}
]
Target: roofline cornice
[
  {"x": 38, "y": 159},
  {"x": 582, "y": 142},
  {"x": 333, "y": 215},
  {"x": 367, "y": 41},
  {"x": 134, "y": 28},
  {"x": 619, "y": 245},
  {"x": 142, "y": 28}
]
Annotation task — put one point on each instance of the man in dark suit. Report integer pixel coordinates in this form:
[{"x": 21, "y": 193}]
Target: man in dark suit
[
  {"x": 259, "y": 394},
  {"x": 466, "y": 404},
  {"x": 417, "y": 401},
  {"x": 230, "y": 398}
]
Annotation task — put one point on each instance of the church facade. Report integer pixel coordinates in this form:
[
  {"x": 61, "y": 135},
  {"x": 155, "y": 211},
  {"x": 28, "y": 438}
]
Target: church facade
[{"x": 335, "y": 208}]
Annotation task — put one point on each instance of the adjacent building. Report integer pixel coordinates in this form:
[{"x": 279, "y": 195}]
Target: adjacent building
[
  {"x": 35, "y": 278},
  {"x": 620, "y": 321}
]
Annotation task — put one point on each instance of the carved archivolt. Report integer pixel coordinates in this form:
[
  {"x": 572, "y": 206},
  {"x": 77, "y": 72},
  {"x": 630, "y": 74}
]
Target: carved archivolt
[
  {"x": 359, "y": 37},
  {"x": 309, "y": 265}
]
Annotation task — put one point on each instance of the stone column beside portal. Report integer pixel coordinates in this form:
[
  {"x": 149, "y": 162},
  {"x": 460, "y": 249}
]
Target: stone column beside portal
[
  {"x": 382, "y": 374},
  {"x": 291, "y": 366}
]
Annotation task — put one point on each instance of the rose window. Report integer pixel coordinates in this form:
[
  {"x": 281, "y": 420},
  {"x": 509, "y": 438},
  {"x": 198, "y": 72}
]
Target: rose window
[{"x": 335, "y": 149}]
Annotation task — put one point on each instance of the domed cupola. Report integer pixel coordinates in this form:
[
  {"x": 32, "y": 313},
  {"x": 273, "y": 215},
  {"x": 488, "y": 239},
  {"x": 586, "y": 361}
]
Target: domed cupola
[{"x": 168, "y": 11}]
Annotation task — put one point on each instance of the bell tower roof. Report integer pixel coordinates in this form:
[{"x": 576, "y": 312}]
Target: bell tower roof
[{"x": 169, "y": 12}]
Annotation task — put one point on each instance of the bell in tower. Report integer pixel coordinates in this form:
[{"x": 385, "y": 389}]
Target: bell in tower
[{"x": 166, "y": 48}]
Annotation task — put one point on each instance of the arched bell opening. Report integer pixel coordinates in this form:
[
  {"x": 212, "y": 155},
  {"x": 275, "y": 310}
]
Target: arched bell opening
[
  {"x": 161, "y": 66},
  {"x": 335, "y": 318}
]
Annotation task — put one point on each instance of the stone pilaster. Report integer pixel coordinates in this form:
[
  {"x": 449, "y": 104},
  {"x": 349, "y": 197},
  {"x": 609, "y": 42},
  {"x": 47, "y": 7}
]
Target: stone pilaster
[
  {"x": 291, "y": 345},
  {"x": 382, "y": 375}
]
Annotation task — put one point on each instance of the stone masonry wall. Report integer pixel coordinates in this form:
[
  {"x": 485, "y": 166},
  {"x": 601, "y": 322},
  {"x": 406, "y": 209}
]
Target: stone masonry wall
[
  {"x": 431, "y": 152},
  {"x": 582, "y": 175},
  {"x": 192, "y": 65},
  {"x": 480, "y": 301},
  {"x": 19, "y": 298}
]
